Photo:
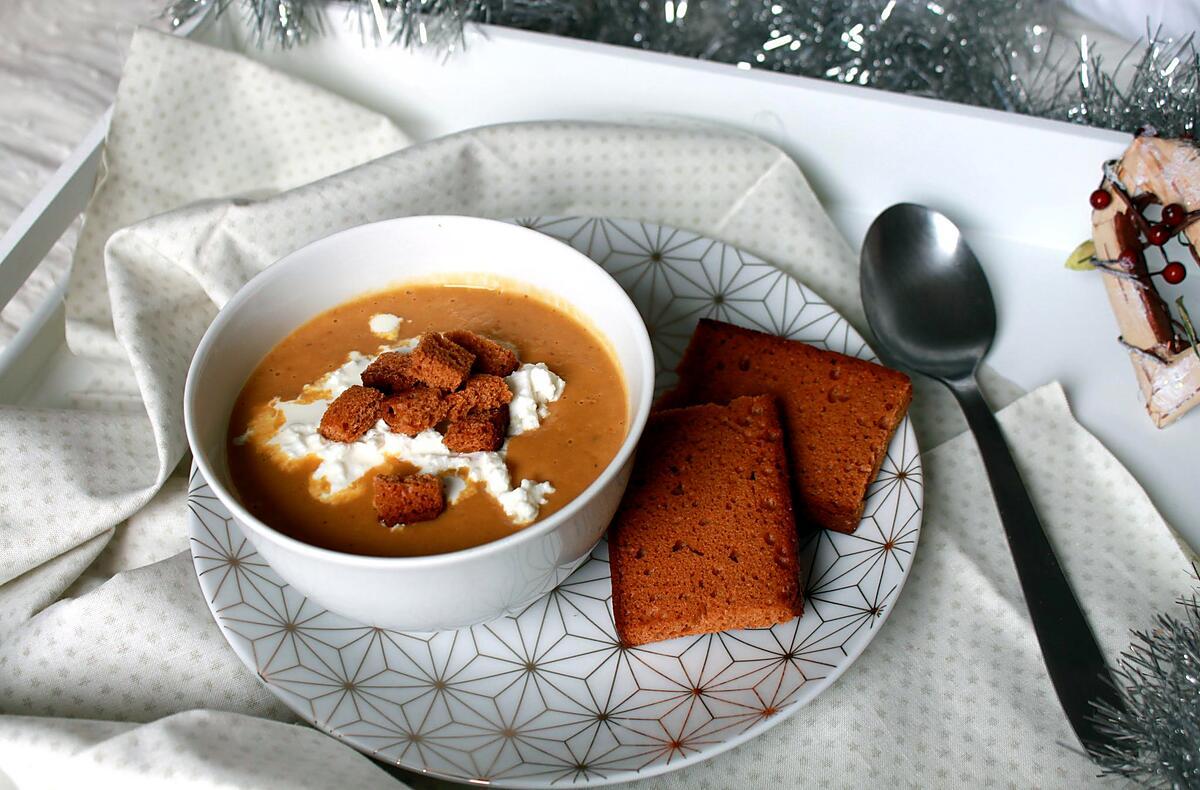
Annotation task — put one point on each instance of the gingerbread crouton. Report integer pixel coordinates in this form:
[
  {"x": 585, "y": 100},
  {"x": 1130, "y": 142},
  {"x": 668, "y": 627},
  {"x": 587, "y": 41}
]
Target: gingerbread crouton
[
  {"x": 439, "y": 363},
  {"x": 482, "y": 393},
  {"x": 414, "y": 410},
  {"x": 351, "y": 414},
  {"x": 388, "y": 373},
  {"x": 406, "y": 499},
  {"x": 490, "y": 357},
  {"x": 478, "y": 432}
]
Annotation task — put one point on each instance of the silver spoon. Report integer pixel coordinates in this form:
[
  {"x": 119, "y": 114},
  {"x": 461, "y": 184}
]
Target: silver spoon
[{"x": 930, "y": 307}]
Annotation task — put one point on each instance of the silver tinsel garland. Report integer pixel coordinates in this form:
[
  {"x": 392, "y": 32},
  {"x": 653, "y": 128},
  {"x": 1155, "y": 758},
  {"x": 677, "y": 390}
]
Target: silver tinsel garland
[
  {"x": 990, "y": 53},
  {"x": 1157, "y": 736}
]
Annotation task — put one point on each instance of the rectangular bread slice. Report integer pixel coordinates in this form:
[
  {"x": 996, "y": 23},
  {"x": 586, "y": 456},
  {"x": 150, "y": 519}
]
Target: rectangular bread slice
[
  {"x": 839, "y": 412},
  {"x": 705, "y": 539}
]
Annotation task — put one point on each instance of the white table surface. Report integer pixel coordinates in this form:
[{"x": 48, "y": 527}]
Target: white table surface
[{"x": 59, "y": 66}]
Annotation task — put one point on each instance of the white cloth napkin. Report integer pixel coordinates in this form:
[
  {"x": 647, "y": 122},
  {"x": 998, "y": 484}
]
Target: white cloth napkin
[{"x": 102, "y": 683}]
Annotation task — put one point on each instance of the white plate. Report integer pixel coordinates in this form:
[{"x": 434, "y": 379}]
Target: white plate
[{"x": 549, "y": 696}]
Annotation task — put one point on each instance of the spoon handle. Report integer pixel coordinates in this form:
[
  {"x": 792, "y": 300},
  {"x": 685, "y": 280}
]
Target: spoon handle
[{"x": 1073, "y": 658}]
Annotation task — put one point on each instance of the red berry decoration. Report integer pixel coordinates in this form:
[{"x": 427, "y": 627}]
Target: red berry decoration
[
  {"x": 1158, "y": 235},
  {"x": 1100, "y": 199},
  {"x": 1174, "y": 272},
  {"x": 1173, "y": 214}
]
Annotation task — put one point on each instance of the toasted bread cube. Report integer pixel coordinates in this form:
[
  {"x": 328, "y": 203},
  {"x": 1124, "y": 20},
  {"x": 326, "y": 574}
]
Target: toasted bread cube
[
  {"x": 478, "y": 432},
  {"x": 406, "y": 499},
  {"x": 490, "y": 357},
  {"x": 483, "y": 393},
  {"x": 388, "y": 373},
  {"x": 414, "y": 410},
  {"x": 439, "y": 363},
  {"x": 351, "y": 414}
]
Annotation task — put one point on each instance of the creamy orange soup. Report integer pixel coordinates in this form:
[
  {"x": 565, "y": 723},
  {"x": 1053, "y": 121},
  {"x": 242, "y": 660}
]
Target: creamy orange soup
[{"x": 574, "y": 443}]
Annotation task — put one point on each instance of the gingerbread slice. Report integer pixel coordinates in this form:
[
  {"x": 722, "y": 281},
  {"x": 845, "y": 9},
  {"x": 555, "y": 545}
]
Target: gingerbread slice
[
  {"x": 704, "y": 539},
  {"x": 839, "y": 412}
]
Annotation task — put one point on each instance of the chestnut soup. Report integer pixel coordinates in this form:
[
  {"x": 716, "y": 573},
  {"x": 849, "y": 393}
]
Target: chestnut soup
[{"x": 316, "y": 498}]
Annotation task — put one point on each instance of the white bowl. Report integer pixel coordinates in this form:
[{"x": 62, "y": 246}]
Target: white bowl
[{"x": 440, "y": 591}]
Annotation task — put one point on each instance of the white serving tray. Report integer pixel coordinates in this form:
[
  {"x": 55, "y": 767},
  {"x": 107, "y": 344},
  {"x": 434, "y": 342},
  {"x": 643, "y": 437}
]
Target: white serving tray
[{"x": 1018, "y": 186}]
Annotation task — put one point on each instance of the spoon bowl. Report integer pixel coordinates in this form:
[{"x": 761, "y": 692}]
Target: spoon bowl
[{"x": 928, "y": 300}]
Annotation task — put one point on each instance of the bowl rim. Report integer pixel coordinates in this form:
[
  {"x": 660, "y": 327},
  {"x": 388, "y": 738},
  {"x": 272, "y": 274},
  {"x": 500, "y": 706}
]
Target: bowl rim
[{"x": 246, "y": 293}]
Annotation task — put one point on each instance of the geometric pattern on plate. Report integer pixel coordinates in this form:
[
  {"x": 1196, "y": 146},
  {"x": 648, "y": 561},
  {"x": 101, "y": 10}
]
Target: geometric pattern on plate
[{"x": 548, "y": 696}]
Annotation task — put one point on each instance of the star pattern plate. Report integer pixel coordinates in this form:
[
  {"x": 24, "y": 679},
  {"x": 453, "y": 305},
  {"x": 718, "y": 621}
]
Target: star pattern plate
[{"x": 548, "y": 697}]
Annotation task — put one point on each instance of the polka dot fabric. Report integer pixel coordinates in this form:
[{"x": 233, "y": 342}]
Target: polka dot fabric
[
  {"x": 194, "y": 123},
  {"x": 951, "y": 692},
  {"x": 207, "y": 749}
]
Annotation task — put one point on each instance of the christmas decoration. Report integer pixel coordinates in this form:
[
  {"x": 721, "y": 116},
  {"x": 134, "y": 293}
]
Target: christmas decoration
[
  {"x": 1158, "y": 235},
  {"x": 1153, "y": 172},
  {"x": 990, "y": 53},
  {"x": 1156, "y": 738},
  {"x": 1174, "y": 273}
]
